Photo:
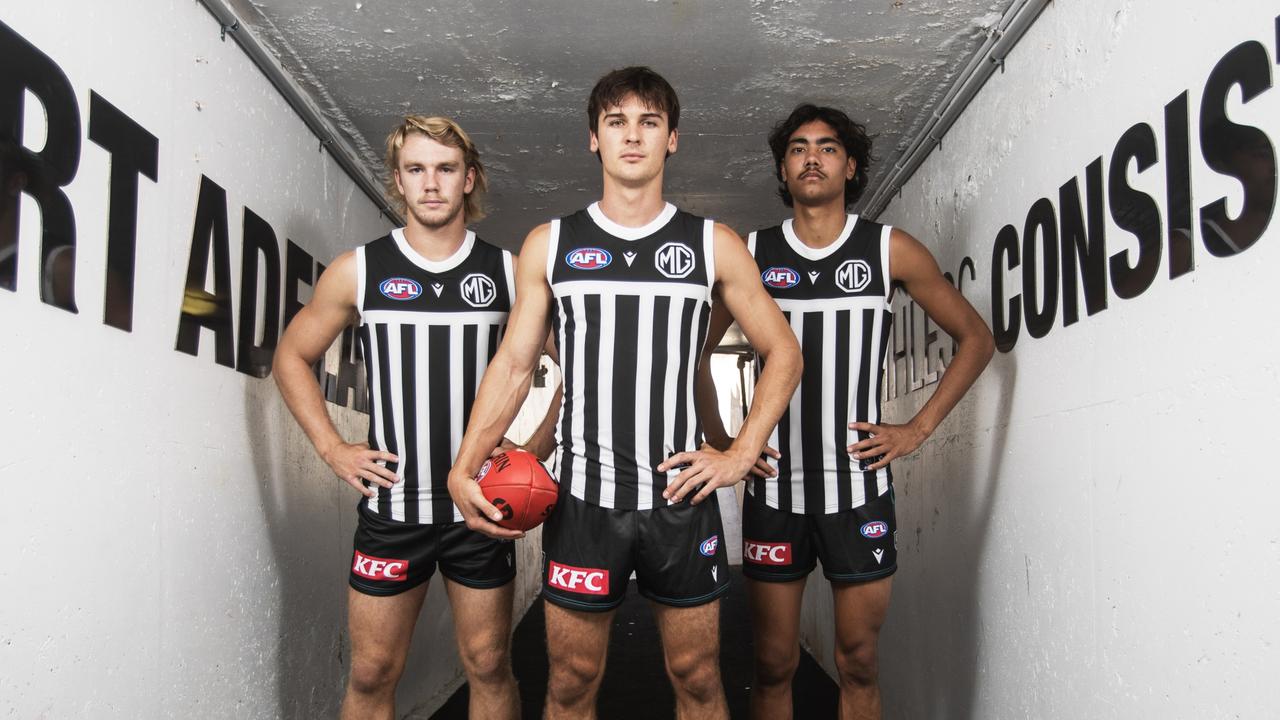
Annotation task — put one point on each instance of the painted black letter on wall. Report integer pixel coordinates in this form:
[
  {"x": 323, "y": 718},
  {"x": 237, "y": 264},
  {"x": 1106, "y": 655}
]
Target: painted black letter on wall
[
  {"x": 1135, "y": 211},
  {"x": 40, "y": 175},
  {"x": 1241, "y": 151},
  {"x": 1040, "y": 234},
  {"x": 200, "y": 308},
  {"x": 133, "y": 151},
  {"x": 1084, "y": 246},
  {"x": 1006, "y": 314},
  {"x": 259, "y": 238}
]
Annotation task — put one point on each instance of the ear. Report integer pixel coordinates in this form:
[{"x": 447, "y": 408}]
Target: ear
[
  {"x": 594, "y": 144},
  {"x": 851, "y": 167},
  {"x": 673, "y": 140},
  {"x": 399, "y": 185},
  {"x": 471, "y": 181}
]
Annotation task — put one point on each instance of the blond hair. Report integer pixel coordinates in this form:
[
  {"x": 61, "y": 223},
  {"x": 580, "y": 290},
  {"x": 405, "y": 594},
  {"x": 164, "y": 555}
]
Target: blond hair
[{"x": 446, "y": 132}]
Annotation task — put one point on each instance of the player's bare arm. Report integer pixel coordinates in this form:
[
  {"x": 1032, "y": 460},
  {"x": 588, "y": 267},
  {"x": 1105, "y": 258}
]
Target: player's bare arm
[
  {"x": 504, "y": 386},
  {"x": 766, "y": 329},
  {"x": 705, "y": 394},
  {"x": 305, "y": 341},
  {"x": 911, "y": 264}
]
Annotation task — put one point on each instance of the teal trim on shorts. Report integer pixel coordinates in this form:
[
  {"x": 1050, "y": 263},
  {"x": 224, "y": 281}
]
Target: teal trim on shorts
[
  {"x": 856, "y": 578},
  {"x": 576, "y": 605},
  {"x": 688, "y": 602}
]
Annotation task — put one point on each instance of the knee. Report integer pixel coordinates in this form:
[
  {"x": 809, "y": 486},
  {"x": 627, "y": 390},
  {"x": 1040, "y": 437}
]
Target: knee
[
  {"x": 375, "y": 674},
  {"x": 776, "y": 666},
  {"x": 858, "y": 663},
  {"x": 486, "y": 663},
  {"x": 571, "y": 680},
  {"x": 696, "y": 675}
]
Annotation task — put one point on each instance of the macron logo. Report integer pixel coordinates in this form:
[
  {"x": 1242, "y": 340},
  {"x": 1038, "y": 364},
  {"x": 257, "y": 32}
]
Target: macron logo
[
  {"x": 588, "y": 581},
  {"x": 766, "y": 553},
  {"x": 376, "y": 568}
]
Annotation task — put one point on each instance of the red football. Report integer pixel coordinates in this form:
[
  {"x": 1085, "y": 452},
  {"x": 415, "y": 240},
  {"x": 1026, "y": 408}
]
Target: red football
[{"x": 518, "y": 484}]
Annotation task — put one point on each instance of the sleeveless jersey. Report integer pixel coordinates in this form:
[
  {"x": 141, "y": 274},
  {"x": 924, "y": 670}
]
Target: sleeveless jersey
[
  {"x": 428, "y": 330},
  {"x": 630, "y": 319},
  {"x": 837, "y": 302}
]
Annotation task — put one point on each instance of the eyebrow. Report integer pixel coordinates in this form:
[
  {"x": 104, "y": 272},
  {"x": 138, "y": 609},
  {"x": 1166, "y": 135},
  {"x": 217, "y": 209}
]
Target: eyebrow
[
  {"x": 824, "y": 140},
  {"x": 643, "y": 116}
]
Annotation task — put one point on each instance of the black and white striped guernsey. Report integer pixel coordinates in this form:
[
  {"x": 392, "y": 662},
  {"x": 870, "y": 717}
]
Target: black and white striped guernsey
[
  {"x": 837, "y": 302},
  {"x": 428, "y": 330},
  {"x": 630, "y": 317}
]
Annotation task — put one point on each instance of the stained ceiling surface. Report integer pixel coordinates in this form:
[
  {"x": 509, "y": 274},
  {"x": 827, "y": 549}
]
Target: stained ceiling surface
[{"x": 517, "y": 75}]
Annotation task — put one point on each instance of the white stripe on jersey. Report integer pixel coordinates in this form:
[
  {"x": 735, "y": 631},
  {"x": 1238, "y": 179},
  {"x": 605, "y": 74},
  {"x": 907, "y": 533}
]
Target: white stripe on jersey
[
  {"x": 670, "y": 379},
  {"x": 394, "y": 355},
  {"x": 606, "y": 289},
  {"x": 644, "y": 372},
  {"x": 577, "y": 431},
  {"x": 375, "y": 371},
  {"x": 604, "y": 386},
  {"x": 830, "y": 433},
  {"x": 795, "y": 439},
  {"x": 421, "y": 406},
  {"x": 833, "y": 304},
  {"x": 360, "y": 280},
  {"x": 395, "y": 318},
  {"x": 458, "y": 422}
]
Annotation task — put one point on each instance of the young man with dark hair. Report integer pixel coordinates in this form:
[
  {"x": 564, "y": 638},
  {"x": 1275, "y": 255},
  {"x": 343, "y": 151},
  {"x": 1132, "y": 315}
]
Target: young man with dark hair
[
  {"x": 832, "y": 274},
  {"x": 627, "y": 285},
  {"x": 431, "y": 300}
]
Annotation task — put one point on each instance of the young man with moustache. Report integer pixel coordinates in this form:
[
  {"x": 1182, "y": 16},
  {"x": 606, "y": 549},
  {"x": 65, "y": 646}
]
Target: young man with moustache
[
  {"x": 832, "y": 274},
  {"x": 627, "y": 285},
  {"x": 431, "y": 300}
]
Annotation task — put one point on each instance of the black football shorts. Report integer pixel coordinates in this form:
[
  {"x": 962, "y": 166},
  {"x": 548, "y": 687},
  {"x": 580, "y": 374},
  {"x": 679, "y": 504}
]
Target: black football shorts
[
  {"x": 391, "y": 557},
  {"x": 854, "y": 545},
  {"x": 589, "y": 552}
]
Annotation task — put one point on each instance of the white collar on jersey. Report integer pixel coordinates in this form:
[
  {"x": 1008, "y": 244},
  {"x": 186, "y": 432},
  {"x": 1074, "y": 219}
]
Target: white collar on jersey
[
  {"x": 630, "y": 233},
  {"x": 809, "y": 253},
  {"x": 434, "y": 266}
]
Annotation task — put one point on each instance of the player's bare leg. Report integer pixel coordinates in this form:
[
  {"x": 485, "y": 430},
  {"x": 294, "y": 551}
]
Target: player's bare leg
[
  {"x": 691, "y": 648},
  {"x": 860, "y": 611},
  {"x": 577, "y": 643},
  {"x": 381, "y": 628},
  {"x": 775, "y": 622},
  {"x": 482, "y": 623}
]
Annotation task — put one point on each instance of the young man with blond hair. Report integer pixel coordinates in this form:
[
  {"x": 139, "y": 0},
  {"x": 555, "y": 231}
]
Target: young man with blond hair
[{"x": 431, "y": 300}]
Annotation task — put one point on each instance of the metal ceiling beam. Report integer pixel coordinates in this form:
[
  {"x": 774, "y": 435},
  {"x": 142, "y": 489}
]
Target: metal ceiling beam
[
  {"x": 338, "y": 145},
  {"x": 990, "y": 56}
]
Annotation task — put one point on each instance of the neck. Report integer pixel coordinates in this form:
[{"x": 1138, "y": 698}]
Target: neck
[
  {"x": 632, "y": 206},
  {"x": 819, "y": 225},
  {"x": 435, "y": 243}
]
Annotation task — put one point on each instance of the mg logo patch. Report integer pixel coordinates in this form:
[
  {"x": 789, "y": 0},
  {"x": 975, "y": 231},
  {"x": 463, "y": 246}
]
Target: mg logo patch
[
  {"x": 479, "y": 290},
  {"x": 675, "y": 260},
  {"x": 853, "y": 276}
]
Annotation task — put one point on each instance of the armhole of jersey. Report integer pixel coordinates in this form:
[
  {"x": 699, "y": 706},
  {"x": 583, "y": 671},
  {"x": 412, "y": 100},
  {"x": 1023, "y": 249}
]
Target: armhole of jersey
[
  {"x": 508, "y": 267},
  {"x": 553, "y": 247},
  {"x": 709, "y": 249},
  {"x": 360, "y": 283},
  {"x": 751, "y": 243},
  {"x": 885, "y": 234}
]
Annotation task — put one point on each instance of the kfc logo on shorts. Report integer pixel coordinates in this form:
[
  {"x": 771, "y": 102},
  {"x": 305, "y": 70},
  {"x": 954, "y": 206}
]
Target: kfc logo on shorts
[
  {"x": 708, "y": 546},
  {"x": 398, "y": 288},
  {"x": 588, "y": 258},
  {"x": 780, "y": 277},
  {"x": 376, "y": 568},
  {"x": 761, "y": 553},
  {"x": 587, "y": 581},
  {"x": 875, "y": 529}
]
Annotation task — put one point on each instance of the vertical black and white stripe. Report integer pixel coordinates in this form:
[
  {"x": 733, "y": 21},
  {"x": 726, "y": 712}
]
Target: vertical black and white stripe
[
  {"x": 424, "y": 357},
  {"x": 842, "y": 322},
  {"x": 629, "y": 332}
]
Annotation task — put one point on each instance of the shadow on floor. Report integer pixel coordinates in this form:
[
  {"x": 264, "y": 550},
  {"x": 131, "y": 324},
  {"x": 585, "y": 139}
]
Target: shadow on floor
[{"x": 635, "y": 683}]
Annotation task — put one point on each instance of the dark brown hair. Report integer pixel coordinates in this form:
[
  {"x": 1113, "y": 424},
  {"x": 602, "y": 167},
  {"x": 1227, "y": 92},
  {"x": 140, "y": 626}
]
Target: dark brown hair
[{"x": 650, "y": 88}]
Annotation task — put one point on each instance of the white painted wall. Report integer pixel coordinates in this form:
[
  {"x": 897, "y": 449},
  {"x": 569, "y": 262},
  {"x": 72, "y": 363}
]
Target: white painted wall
[
  {"x": 175, "y": 547},
  {"x": 1092, "y": 533}
]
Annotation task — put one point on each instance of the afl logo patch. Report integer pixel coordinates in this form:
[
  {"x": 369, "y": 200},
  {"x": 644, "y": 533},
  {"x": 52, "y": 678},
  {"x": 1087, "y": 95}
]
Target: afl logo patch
[
  {"x": 588, "y": 258},
  {"x": 875, "y": 529},
  {"x": 708, "y": 546},
  {"x": 780, "y": 277},
  {"x": 399, "y": 288},
  {"x": 479, "y": 290},
  {"x": 853, "y": 276},
  {"x": 675, "y": 260}
]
